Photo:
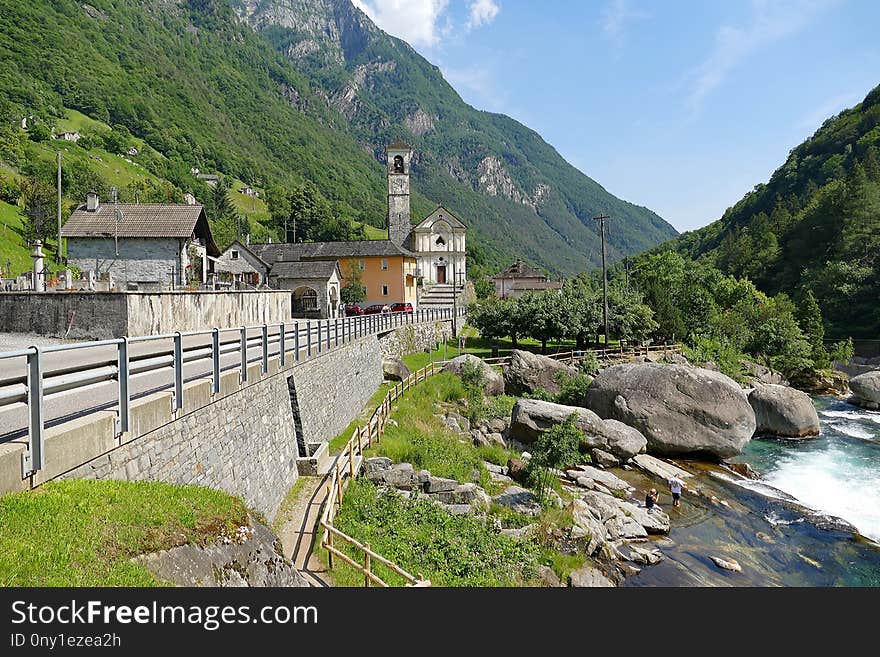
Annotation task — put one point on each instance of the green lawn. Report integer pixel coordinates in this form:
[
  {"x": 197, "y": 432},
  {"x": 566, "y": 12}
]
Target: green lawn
[
  {"x": 340, "y": 441},
  {"x": 84, "y": 533}
]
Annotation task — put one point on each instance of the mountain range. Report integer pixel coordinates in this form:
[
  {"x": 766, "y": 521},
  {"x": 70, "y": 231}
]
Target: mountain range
[{"x": 278, "y": 92}]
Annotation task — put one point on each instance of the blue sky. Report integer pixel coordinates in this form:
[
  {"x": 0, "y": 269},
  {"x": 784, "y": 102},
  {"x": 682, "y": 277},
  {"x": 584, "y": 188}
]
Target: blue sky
[{"x": 681, "y": 106}]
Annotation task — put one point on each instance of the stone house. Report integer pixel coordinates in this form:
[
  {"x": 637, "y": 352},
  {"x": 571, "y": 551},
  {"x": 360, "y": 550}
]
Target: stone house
[
  {"x": 314, "y": 285},
  {"x": 142, "y": 246},
  {"x": 69, "y": 136},
  {"x": 520, "y": 278},
  {"x": 241, "y": 266}
]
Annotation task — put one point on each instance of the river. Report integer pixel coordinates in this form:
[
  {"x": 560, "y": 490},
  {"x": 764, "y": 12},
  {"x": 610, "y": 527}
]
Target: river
[{"x": 780, "y": 542}]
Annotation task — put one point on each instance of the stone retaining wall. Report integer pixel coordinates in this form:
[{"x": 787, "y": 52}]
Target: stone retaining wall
[{"x": 413, "y": 338}]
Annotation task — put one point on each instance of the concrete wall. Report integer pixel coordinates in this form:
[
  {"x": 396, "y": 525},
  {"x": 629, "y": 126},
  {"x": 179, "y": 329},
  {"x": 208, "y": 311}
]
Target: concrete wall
[
  {"x": 333, "y": 389},
  {"x": 166, "y": 312},
  {"x": 89, "y": 315},
  {"x": 140, "y": 260},
  {"x": 103, "y": 315}
]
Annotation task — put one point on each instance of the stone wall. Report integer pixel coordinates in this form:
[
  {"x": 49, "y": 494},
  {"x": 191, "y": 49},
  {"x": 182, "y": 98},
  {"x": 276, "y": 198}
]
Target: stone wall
[
  {"x": 140, "y": 260},
  {"x": 412, "y": 338},
  {"x": 243, "y": 444},
  {"x": 104, "y": 315},
  {"x": 331, "y": 390}
]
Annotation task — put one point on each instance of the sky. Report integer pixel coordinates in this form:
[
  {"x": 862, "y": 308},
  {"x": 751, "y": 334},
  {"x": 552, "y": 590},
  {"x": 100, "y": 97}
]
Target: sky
[{"x": 682, "y": 106}]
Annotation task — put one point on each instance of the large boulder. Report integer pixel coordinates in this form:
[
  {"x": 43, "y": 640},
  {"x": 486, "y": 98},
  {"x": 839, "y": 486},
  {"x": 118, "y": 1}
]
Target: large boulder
[
  {"x": 527, "y": 372},
  {"x": 493, "y": 382},
  {"x": 588, "y": 577},
  {"x": 532, "y": 417},
  {"x": 394, "y": 368},
  {"x": 783, "y": 411},
  {"x": 866, "y": 387},
  {"x": 684, "y": 411},
  {"x": 762, "y": 374}
]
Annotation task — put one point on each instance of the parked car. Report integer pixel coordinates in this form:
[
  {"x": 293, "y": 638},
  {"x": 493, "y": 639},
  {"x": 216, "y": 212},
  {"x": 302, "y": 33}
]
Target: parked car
[
  {"x": 377, "y": 308},
  {"x": 352, "y": 309},
  {"x": 401, "y": 308}
]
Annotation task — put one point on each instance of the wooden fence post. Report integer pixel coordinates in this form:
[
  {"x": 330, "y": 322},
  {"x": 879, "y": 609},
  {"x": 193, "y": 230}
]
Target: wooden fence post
[
  {"x": 350, "y": 460},
  {"x": 338, "y": 485},
  {"x": 367, "y": 565}
]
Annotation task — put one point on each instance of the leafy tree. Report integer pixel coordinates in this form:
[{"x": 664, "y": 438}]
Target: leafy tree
[
  {"x": 354, "y": 291},
  {"x": 546, "y": 316},
  {"x": 40, "y": 132},
  {"x": 40, "y": 208},
  {"x": 555, "y": 449}
]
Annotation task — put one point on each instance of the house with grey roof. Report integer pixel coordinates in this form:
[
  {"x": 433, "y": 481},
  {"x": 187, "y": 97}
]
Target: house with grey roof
[
  {"x": 520, "y": 278},
  {"x": 141, "y": 246},
  {"x": 314, "y": 285},
  {"x": 239, "y": 266}
]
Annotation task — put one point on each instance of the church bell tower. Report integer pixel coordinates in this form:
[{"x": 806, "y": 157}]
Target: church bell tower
[{"x": 398, "y": 156}]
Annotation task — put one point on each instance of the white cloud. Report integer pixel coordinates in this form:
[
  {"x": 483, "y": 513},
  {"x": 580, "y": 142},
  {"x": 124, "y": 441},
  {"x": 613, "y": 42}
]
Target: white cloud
[
  {"x": 616, "y": 15},
  {"x": 414, "y": 21},
  {"x": 770, "y": 22},
  {"x": 482, "y": 12}
]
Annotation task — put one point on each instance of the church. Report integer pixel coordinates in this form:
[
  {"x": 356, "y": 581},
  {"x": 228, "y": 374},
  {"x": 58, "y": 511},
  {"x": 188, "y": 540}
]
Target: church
[{"x": 422, "y": 264}]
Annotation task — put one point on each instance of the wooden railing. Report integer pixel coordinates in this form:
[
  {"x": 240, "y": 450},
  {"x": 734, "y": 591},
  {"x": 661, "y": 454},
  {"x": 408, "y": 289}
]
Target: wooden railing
[
  {"x": 346, "y": 467},
  {"x": 349, "y": 461}
]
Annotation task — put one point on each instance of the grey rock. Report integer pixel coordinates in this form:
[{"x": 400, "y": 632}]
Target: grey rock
[
  {"x": 603, "y": 458},
  {"x": 497, "y": 439},
  {"x": 519, "y": 533},
  {"x": 659, "y": 468},
  {"x": 783, "y": 411},
  {"x": 548, "y": 577},
  {"x": 588, "y": 577},
  {"x": 493, "y": 382},
  {"x": 375, "y": 465},
  {"x": 605, "y": 478},
  {"x": 479, "y": 438},
  {"x": 645, "y": 555},
  {"x": 588, "y": 524},
  {"x": 762, "y": 374},
  {"x": 532, "y": 417},
  {"x": 500, "y": 478},
  {"x": 460, "y": 420},
  {"x": 439, "y": 485},
  {"x": 727, "y": 564},
  {"x": 468, "y": 493},
  {"x": 497, "y": 425},
  {"x": 866, "y": 387},
  {"x": 394, "y": 368},
  {"x": 654, "y": 521},
  {"x": 519, "y": 499},
  {"x": 401, "y": 475},
  {"x": 680, "y": 410},
  {"x": 255, "y": 561},
  {"x": 459, "y": 509},
  {"x": 622, "y": 526},
  {"x": 452, "y": 424},
  {"x": 497, "y": 469},
  {"x": 527, "y": 372}
]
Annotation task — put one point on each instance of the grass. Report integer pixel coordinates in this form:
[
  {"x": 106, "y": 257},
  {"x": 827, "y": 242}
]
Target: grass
[
  {"x": 424, "y": 539},
  {"x": 374, "y": 233},
  {"x": 84, "y": 533},
  {"x": 13, "y": 248}
]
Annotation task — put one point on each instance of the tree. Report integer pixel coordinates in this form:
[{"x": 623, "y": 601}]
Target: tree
[
  {"x": 555, "y": 449},
  {"x": 809, "y": 318},
  {"x": 546, "y": 317},
  {"x": 40, "y": 207},
  {"x": 354, "y": 290},
  {"x": 583, "y": 308}
]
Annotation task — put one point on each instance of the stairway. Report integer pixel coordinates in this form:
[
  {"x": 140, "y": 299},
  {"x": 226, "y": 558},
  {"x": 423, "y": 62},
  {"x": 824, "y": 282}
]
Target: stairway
[{"x": 440, "y": 295}]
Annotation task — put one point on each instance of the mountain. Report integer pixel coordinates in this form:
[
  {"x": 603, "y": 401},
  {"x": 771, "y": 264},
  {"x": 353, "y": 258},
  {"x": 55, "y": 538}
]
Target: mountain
[
  {"x": 278, "y": 93},
  {"x": 815, "y": 225}
]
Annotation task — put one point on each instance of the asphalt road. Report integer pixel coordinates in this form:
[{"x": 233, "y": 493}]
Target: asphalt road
[{"x": 67, "y": 405}]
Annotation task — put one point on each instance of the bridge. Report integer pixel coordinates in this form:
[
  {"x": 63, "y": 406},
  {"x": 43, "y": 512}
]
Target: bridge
[{"x": 221, "y": 407}]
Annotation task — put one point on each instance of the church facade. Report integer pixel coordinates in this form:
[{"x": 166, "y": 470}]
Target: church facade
[{"x": 438, "y": 242}]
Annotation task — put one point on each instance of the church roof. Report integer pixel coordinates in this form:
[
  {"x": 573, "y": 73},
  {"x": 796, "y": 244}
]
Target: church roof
[
  {"x": 519, "y": 269},
  {"x": 398, "y": 145}
]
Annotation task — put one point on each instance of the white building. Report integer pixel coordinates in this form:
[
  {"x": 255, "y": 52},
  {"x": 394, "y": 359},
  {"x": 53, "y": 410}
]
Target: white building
[{"x": 439, "y": 242}]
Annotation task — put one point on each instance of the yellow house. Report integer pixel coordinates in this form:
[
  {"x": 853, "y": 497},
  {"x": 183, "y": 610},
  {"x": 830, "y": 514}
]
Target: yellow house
[{"x": 387, "y": 270}]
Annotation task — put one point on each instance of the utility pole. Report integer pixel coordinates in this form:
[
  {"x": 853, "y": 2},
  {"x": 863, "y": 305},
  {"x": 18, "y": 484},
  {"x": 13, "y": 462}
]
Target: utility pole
[
  {"x": 626, "y": 271},
  {"x": 59, "y": 208},
  {"x": 601, "y": 219}
]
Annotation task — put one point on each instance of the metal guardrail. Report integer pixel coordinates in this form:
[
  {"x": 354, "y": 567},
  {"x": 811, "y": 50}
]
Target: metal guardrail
[{"x": 307, "y": 338}]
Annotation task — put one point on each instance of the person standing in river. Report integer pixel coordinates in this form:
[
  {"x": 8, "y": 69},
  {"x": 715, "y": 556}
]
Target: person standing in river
[{"x": 675, "y": 486}]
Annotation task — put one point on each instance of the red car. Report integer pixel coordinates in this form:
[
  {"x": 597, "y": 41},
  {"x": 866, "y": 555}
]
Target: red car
[
  {"x": 352, "y": 309},
  {"x": 376, "y": 308},
  {"x": 402, "y": 308}
]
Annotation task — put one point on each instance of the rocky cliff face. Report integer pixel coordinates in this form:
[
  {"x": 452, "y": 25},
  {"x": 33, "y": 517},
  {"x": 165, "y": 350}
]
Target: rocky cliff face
[{"x": 385, "y": 90}]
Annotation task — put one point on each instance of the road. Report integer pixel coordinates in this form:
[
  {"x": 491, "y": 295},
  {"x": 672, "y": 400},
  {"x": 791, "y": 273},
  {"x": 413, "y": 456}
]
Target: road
[{"x": 66, "y": 405}]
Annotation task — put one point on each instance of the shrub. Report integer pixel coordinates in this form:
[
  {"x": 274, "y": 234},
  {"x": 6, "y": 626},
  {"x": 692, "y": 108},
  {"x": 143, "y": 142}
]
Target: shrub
[
  {"x": 540, "y": 394},
  {"x": 573, "y": 389},
  {"x": 555, "y": 449},
  {"x": 842, "y": 351},
  {"x": 10, "y": 191},
  {"x": 589, "y": 363}
]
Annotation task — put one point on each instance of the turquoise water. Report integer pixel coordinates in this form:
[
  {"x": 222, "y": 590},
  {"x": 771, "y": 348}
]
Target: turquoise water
[
  {"x": 779, "y": 543},
  {"x": 837, "y": 473}
]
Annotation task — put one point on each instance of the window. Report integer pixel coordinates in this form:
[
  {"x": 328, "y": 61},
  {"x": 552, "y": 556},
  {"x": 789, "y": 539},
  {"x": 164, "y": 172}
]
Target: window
[
  {"x": 440, "y": 241},
  {"x": 398, "y": 164},
  {"x": 362, "y": 265},
  {"x": 234, "y": 255},
  {"x": 384, "y": 290},
  {"x": 384, "y": 265}
]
